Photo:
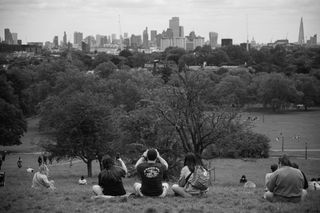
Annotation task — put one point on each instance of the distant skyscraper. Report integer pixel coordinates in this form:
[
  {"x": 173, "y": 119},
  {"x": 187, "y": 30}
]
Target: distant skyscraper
[
  {"x": 125, "y": 35},
  {"x": 181, "y": 31},
  {"x": 77, "y": 38},
  {"x": 174, "y": 26},
  {"x": 145, "y": 38},
  {"x": 65, "y": 39},
  {"x": 15, "y": 38},
  {"x": 153, "y": 35},
  {"x": 213, "y": 38},
  {"x": 8, "y": 36},
  {"x": 113, "y": 38},
  {"x": 55, "y": 42},
  {"x": 301, "y": 33}
]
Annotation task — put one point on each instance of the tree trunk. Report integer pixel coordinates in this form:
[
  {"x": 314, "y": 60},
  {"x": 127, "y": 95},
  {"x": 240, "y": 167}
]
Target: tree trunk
[{"x": 89, "y": 168}]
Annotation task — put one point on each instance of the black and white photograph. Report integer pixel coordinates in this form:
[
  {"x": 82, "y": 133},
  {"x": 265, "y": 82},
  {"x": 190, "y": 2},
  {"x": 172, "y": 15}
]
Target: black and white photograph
[{"x": 159, "y": 106}]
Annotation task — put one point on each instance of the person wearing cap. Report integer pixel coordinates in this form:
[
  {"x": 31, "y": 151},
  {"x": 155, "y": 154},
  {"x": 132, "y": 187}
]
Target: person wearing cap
[{"x": 151, "y": 173}]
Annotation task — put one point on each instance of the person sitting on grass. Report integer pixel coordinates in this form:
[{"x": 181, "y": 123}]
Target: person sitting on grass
[
  {"x": 110, "y": 179},
  {"x": 273, "y": 168},
  {"x": 151, "y": 174},
  {"x": 286, "y": 183},
  {"x": 82, "y": 181},
  {"x": 184, "y": 188},
  {"x": 40, "y": 179},
  {"x": 243, "y": 179},
  {"x": 305, "y": 183}
]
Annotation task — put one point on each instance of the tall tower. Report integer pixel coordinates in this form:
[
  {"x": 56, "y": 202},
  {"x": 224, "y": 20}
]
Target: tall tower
[
  {"x": 174, "y": 26},
  {"x": 301, "y": 33}
]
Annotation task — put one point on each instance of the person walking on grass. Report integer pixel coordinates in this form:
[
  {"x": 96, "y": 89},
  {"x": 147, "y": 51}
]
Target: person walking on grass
[
  {"x": 286, "y": 183},
  {"x": 151, "y": 174},
  {"x": 110, "y": 179},
  {"x": 184, "y": 187},
  {"x": 39, "y": 160},
  {"x": 19, "y": 163},
  {"x": 40, "y": 179}
]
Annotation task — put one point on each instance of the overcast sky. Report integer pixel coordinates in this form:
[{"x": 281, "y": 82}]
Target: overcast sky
[{"x": 41, "y": 20}]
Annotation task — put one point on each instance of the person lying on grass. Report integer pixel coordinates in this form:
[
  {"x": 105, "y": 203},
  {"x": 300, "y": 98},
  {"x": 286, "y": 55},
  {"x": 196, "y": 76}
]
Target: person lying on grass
[
  {"x": 184, "y": 187},
  {"x": 151, "y": 174},
  {"x": 110, "y": 179},
  {"x": 40, "y": 179}
]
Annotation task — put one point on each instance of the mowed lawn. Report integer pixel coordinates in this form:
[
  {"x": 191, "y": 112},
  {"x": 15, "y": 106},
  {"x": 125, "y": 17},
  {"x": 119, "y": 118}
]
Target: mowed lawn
[{"x": 225, "y": 195}]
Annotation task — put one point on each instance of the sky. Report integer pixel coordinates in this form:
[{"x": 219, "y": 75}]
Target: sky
[{"x": 265, "y": 20}]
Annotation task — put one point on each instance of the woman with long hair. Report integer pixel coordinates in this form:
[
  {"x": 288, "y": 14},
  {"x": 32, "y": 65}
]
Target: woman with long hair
[
  {"x": 40, "y": 179},
  {"x": 110, "y": 178},
  {"x": 184, "y": 188}
]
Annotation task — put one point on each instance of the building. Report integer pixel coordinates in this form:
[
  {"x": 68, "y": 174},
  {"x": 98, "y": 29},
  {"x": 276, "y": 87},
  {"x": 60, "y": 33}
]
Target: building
[
  {"x": 301, "y": 33},
  {"x": 8, "y": 36},
  {"x": 226, "y": 42},
  {"x": 113, "y": 38},
  {"x": 135, "y": 41},
  {"x": 55, "y": 42},
  {"x": 65, "y": 39},
  {"x": 213, "y": 39},
  {"x": 181, "y": 31},
  {"x": 312, "y": 41},
  {"x": 15, "y": 38},
  {"x": 77, "y": 38},
  {"x": 145, "y": 38},
  {"x": 85, "y": 47},
  {"x": 153, "y": 34},
  {"x": 174, "y": 26},
  {"x": 125, "y": 35}
]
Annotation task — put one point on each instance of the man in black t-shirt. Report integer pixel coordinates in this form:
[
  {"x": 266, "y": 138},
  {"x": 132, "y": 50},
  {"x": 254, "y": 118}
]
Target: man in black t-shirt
[{"x": 151, "y": 174}]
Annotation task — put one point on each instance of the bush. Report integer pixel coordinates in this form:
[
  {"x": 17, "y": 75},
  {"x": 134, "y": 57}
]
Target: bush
[{"x": 244, "y": 144}]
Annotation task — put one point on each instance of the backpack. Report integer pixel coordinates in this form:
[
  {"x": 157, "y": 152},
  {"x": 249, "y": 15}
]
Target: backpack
[{"x": 200, "y": 178}]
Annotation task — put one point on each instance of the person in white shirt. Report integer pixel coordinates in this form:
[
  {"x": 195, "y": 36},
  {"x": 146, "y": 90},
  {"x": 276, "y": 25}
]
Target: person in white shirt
[{"x": 82, "y": 181}]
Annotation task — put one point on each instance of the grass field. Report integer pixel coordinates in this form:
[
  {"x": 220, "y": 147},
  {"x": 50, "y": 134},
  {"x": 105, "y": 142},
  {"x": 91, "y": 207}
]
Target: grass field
[{"x": 225, "y": 195}]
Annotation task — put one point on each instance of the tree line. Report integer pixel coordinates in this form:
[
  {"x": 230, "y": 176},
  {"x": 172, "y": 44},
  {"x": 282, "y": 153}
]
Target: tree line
[{"x": 123, "y": 108}]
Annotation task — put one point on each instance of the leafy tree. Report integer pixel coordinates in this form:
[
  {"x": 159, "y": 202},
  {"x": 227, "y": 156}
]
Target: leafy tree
[
  {"x": 310, "y": 87},
  {"x": 12, "y": 121},
  {"x": 125, "y": 53},
  {"x": 275, "y": 90},
  {"x": 198, "y": 123},
  {"x": 79, "y": 125},
  {"x": 105, "y": 69},
  {"x": 232, "y": 90},
  {"x": 100, "y": 58}
]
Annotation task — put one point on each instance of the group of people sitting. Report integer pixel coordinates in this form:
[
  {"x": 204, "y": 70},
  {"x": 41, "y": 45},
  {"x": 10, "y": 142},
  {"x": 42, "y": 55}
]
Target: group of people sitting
[
  {"x": 285, "y": 183},
  {"x": 151, "y": 168}
]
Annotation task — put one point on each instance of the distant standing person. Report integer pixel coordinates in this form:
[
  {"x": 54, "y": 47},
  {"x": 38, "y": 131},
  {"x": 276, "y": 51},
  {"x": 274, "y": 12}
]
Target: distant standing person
[
  {"x": 39, "y": 160},
  {"x": 4, "y": 156},
  {"x": 0, "y": 163},
  {"x": 19, "y": 163}
]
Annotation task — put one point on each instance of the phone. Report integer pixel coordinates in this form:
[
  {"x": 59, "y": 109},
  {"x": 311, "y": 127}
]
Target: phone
[{"x": 118, "y": 156}]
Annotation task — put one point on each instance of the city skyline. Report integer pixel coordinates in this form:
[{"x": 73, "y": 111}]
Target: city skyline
[{"x": 41, "y": 20}]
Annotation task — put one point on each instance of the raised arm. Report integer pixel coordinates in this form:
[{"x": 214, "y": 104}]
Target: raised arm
[
  {"x": 123, "y": 165},
  {"x": 142, "y": 159},
  {"x": 162, "y": 161}
]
